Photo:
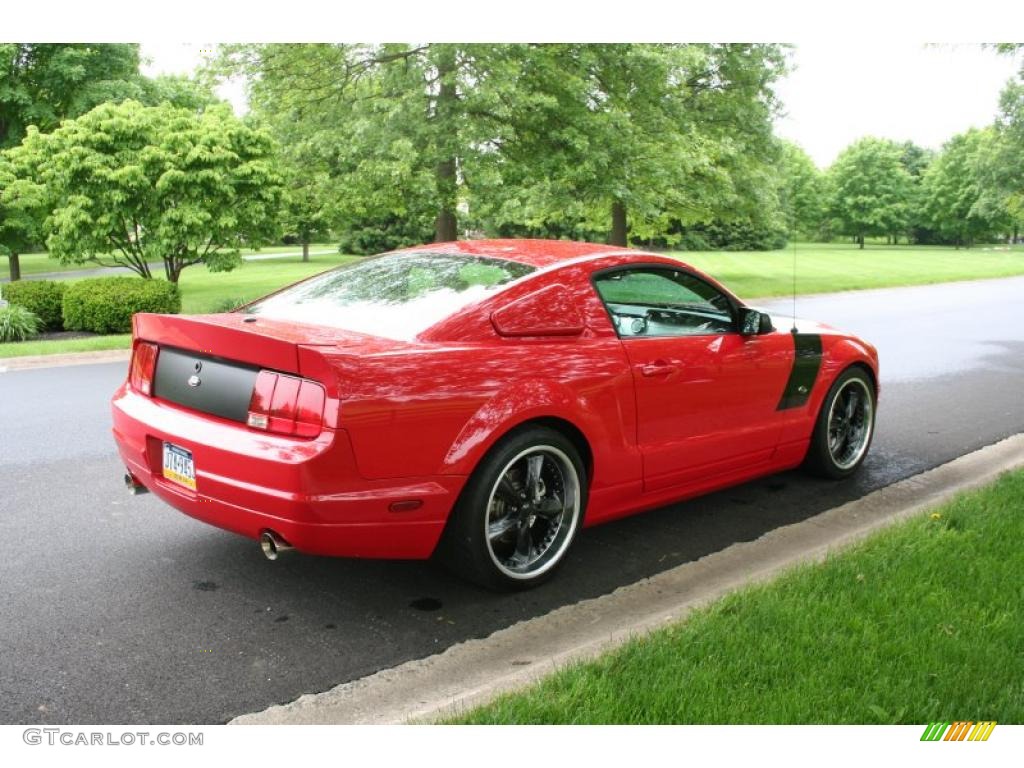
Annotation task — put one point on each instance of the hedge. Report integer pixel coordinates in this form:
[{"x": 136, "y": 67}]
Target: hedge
[
  {"x": 106, "y": 304},
  {"x": 41, "y": 297}
]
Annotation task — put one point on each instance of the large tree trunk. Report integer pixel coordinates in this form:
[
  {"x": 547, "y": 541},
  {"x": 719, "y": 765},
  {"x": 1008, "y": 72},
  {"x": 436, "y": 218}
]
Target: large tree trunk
[
  {"x": 446, "y": 225},
  {"x": 619, "y": 223},
  {"x": 860, "y": 242},
  {"x": 305, "y": 250},
  {"x": 15, "y": 263}
]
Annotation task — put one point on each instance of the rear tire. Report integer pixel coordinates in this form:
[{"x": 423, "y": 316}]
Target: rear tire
[
  {"x": 519, "y": 512},
  {"x": 844, "y": 428}
]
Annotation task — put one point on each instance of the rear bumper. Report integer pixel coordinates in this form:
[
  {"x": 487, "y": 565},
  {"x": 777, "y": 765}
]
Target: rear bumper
[{"x": 307, "y": 491}]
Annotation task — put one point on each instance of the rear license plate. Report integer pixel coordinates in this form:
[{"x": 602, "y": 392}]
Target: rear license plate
[{"x": 179, "y": 467}]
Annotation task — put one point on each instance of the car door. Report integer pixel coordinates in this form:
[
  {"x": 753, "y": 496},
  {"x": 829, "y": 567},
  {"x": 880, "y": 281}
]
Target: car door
[{"x": 706, "y": 395}]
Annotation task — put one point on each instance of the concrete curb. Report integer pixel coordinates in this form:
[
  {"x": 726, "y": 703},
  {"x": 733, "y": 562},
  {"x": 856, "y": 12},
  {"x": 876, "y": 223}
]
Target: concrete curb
[
  {"x": 474, "y": 672},
  {"x": 69, "y": 358}
]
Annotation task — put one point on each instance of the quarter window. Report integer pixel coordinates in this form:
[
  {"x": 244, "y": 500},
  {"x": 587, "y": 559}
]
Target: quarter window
[{"x": 650, "y": 301}]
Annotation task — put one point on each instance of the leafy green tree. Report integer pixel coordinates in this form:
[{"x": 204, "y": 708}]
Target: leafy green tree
[
  {"x": 649, "y": 138},
  {"x": 308, "y": 206},
  {"x": 872, "y": 191},
  {"x": 564, "y": 137},
  {"x": 999, "y": 171},
  {"x": 915, "y": 160},
  {"x": 802, "y": 191},
  {"x": 129, "y": 185},
  {"x": 43, "y": 83},
  {"x": 21, "y": 210},
  {"x": 403, "y": 124},
  {"x": 952, "y": 193},
  {"x": 999, "y": 161}
]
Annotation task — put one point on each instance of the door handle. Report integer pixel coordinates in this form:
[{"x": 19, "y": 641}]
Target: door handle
[{"x": 658, "y": 368}]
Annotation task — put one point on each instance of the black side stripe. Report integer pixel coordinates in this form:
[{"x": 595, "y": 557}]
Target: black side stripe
[{"x": 806, "y": 363}]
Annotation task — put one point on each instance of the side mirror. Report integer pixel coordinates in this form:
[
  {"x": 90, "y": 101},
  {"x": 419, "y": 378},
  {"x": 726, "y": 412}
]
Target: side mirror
[{"x": 753, "y": 322}]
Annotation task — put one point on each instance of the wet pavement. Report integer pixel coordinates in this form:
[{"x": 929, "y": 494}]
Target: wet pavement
[{"x": 118, "y": 609}]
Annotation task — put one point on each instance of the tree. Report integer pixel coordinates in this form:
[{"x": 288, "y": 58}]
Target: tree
[
  {"x": 43, "y": 83},
  {"x": 999, "y": 162},
  {"x": 651, "y": 138},
  {"x": 403, "y": 121},
  {"x": 21, "y": 201},
  {"x": 639, "y": 135},
  {"x": 802, "y": 191},
  {"x": 128, "y": 185},
  {"x": 308, "y": 208},
  {"x": 871, "y": 190},
  {"x": 952, "y": 193}
]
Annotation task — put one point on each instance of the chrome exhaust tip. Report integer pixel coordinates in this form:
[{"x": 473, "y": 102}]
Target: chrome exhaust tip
[
  {"x": 135, "y": 488},
  {"x": 273, "y": 546}
]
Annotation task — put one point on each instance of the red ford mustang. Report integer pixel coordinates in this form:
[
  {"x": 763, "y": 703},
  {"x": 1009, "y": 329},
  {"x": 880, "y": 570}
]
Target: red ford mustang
[{"x": 481, "y": 401}]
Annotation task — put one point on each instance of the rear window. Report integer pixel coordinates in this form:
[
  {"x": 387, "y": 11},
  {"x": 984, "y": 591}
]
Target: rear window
[{"x": 396, "y": 295}]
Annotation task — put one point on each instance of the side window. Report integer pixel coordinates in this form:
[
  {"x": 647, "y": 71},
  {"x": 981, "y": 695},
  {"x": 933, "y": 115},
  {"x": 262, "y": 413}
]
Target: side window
[{"x": 651, "y": 301}]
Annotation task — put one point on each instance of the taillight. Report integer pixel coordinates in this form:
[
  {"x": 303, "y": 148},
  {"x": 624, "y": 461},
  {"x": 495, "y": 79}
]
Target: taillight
[
  {"x": 143, "y": 367},
  {"x": 286, "y": 405}
]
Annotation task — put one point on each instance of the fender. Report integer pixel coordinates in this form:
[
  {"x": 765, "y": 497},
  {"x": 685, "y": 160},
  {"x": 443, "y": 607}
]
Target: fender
[
  {"x": 522, "y": 402},
  {"x": 838, "y": 354}
]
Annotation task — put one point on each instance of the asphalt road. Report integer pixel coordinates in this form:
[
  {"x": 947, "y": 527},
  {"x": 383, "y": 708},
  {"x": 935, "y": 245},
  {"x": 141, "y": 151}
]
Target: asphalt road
[{"x": 122, "y": 610}]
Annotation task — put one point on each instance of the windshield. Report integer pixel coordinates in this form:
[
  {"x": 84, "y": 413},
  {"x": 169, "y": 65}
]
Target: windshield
[{"x": 397, "y": 295}]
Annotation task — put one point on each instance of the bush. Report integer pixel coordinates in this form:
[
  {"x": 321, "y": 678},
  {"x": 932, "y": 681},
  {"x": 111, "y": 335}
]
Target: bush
[
  {"x": 18, "y": 323},
  {"x": 106, "y": 304},
  {"x": 739, "y": 235},
  {"x": 694, "y": 241},
  {"x": 372, "y": 235},
  {"x": 41, "y": 297}
]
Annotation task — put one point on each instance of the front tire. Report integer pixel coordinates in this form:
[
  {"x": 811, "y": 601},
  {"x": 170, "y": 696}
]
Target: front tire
[
  {"x": 844, "y": 428},
  {"x": 519, "y": 512}
]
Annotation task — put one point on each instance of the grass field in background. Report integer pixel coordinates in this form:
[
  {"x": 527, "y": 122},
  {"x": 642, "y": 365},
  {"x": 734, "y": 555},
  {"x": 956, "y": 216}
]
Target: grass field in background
[
  {"x": 60, "y": 346},
  {"x": 204, "y": 291},
  {"x": 827, "y": 267},
  {"x": 201, "y": 291},
  {"x": 920, "y": 622},
  {"x": 38, "y": 263},
  {"x": 820, "y": 268}
]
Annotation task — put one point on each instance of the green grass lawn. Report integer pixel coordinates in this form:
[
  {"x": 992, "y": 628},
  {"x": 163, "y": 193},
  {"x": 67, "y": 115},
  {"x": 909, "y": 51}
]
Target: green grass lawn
[
  {"x": 827, "y": 267},
  {"x": 821, "y": 268},
  {"x": 201, "y": 291},
  {"x": 38, "y": 263},
  {"x": 921, "y": 622},
  {"x": 204, "y": 291},
  {"x": 60, "y": 346}
]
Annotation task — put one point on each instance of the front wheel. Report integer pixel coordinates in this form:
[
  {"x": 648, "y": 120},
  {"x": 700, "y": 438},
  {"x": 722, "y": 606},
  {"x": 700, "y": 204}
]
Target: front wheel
[
  {"x": 845, "y": 426},
  {"x": 519, "y": 512}
]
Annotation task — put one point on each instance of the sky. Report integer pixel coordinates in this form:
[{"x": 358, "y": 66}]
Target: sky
[{"x": 837, "y": 91}]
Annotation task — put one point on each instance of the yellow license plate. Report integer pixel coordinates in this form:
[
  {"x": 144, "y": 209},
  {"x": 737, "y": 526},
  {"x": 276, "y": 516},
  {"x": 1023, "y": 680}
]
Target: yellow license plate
[{"x": 179, "y": 467}]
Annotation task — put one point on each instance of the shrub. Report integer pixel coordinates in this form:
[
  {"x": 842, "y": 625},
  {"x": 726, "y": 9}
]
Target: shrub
[
  {"x": 106, "y": 304},
  {"x": 694, "y": 241},
  {"x": 41, "y": 297},
  {"x": 18, "y": 323},
  {"x": 371, "y": 235}
]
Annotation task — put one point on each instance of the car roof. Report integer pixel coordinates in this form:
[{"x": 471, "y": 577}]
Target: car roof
[{"x": 535, "y": 253}]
